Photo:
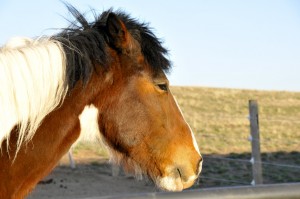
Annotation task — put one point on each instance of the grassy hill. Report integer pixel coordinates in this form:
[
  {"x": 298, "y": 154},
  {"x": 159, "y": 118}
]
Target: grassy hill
[{"x": 219, "y": 119}]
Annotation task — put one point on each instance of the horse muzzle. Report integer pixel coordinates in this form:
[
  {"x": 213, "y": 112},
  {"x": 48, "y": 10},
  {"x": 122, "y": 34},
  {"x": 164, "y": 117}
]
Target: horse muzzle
[{"x": 178, "y": 178}]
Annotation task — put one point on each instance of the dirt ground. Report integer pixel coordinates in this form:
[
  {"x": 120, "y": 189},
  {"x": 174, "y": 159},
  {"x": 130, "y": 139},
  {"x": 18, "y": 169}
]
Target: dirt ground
[{"x": 89, "y": 179}]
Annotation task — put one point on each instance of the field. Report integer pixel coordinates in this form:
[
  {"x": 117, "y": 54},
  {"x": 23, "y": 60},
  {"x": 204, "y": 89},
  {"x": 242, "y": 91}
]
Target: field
[
  {"x": 219, "y": 119},
  {"x": 223, "y": 113}
]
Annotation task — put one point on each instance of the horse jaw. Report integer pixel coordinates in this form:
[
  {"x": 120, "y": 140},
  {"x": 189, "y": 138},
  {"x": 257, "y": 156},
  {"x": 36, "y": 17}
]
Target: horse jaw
[{"x": 170, "y": 181}]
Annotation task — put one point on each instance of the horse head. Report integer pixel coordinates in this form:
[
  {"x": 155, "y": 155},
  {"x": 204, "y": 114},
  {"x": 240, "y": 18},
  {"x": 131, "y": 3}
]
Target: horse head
[{"x": 138, "y": 116}]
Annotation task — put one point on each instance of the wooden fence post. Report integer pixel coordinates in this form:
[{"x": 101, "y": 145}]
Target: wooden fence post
[{"x": 255, "y": 143}]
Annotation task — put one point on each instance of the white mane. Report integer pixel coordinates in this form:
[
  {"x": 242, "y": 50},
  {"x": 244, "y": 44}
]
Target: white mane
[{"x": 32, "y": 84}]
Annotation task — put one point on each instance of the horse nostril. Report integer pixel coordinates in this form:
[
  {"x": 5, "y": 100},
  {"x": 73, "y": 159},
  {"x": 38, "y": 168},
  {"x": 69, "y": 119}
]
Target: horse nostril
[
  {"x": 185, "y": 176},
  {"x": 178, "y": 170}
]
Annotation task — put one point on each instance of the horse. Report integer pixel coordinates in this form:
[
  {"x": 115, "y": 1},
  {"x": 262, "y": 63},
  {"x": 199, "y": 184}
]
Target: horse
[{"x": 117, "y": 66}]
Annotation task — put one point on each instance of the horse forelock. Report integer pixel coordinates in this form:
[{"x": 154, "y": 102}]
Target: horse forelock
[{"x": 32, "y": 84}]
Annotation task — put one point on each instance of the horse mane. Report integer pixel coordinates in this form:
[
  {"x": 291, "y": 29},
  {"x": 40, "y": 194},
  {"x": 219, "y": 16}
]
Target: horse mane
[
  {"x": 35, "y": 75},
  {"x": 32, "y": 76},
  {"x": 84, "y": 43}
]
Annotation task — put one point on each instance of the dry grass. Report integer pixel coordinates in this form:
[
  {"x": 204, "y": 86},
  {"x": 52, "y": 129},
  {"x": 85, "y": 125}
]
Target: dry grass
[{"x": 219, "y": 118}]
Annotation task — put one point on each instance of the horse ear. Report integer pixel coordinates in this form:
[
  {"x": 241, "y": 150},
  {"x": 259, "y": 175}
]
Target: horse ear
[{"x": 116, "y": 31}]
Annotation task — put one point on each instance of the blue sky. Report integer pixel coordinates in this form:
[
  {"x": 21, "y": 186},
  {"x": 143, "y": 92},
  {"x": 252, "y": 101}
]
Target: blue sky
[{"x": 233, "y": 44}]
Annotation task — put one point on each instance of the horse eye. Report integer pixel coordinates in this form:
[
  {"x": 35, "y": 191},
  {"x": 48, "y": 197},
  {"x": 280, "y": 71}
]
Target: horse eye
[{"x": 163, "y": 87}]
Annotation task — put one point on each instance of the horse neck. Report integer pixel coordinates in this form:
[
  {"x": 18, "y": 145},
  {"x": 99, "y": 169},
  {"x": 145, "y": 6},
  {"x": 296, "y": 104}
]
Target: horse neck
[{"x": 58, "y": 131}]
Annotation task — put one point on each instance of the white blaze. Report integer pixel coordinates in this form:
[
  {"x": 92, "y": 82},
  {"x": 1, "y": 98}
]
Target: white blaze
[{"x": 193, "y": 136}]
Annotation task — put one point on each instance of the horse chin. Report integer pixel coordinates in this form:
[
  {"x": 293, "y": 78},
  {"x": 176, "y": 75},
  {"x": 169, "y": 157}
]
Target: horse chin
[{"x": 169, "y": 183}]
